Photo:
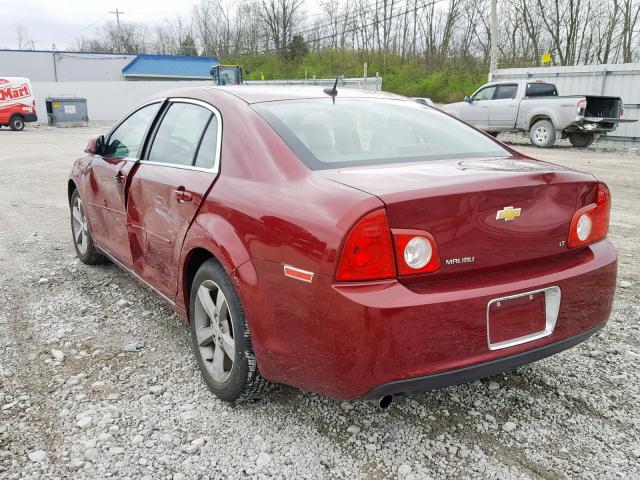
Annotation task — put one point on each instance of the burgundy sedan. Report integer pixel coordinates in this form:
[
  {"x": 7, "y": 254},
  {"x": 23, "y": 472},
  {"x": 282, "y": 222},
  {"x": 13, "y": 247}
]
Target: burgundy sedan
[{"x": 357, "y": 246}]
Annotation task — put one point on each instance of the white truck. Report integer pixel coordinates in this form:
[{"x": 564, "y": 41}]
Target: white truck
[{"x": 535, "y": 107}]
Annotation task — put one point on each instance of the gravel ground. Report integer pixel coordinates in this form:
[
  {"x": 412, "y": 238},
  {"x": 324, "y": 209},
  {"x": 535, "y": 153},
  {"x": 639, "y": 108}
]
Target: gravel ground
[{"x": 73, "y": 404}]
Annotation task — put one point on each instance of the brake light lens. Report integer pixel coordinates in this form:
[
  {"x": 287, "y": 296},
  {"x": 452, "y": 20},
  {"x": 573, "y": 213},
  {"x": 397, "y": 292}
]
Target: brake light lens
[
  {"x": 581, "y": 104},
  {"x": 368, "y": 251},
  {"x": 591, "y": 223},
  {"x": 416, "y": 252}
]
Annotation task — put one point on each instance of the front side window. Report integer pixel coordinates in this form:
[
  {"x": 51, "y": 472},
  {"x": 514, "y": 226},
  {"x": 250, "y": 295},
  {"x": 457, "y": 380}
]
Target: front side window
[
  {"x": 126, "y": 140},
  {"x": 506, "y": 92},
  {"x": 179, "y": 134},
  {"x": 484, "y": 94},
  {"x": 354, "y": 132}
]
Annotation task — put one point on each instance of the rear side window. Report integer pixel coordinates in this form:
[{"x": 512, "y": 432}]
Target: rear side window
[
  {"x": 506, "y": 92},
  {"x": 179, "y": 134},
  {"x": 126, "y": 140},
  {"x": 206, "y": 156},
  {"x": 541, "y": 90},
  {"x": 368, "y": 131}
]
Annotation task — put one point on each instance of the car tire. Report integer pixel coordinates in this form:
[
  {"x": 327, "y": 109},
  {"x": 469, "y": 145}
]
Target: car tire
[
  {"x": 16, "y": 123},
  {"x": 82, "y": 241},
  {"x": 581, "y": 140},
  {"x": 220, "y": 337},
  {"x": 543, "y": 134}
]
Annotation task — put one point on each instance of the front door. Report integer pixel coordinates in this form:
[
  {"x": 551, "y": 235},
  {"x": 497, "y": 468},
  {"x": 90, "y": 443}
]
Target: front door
[
  {"x": 106, "y": 195},
  {"x": 168, "y": 187},
  {"x": 476, "y": 112}
]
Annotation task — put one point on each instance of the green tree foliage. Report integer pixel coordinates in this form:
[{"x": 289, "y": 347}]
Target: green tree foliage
[
  {"x": 188, "y": 46},
  {"x": 297, "y": 49},
  {"x": 403, "y": 76}
]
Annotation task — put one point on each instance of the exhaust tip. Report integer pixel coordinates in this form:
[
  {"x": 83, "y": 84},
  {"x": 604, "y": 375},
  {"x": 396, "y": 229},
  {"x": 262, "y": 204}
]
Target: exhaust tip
[{"x": 385, "y": 401}]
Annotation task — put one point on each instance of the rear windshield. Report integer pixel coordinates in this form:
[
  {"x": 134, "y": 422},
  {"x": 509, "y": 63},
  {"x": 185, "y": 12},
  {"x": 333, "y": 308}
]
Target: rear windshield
[
  {"x": 354, "y": 132},
  {"x": 541, "y": 90}
]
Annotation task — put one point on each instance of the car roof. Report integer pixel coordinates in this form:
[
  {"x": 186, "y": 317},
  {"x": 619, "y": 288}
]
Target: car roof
[{"x": 272, "y": 93}]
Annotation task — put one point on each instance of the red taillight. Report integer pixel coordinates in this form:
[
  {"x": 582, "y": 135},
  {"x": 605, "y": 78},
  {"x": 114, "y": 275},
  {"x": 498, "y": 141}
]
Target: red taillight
[
  {"x": 368, "y": 253},
  {"x": 581, "y": 104},
  {"x": 591, "y": 223},
  {"x": 416, "y": 252}
]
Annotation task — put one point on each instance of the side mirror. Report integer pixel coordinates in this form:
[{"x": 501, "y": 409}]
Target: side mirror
[
  {"x": 467, "y": 99},
  {"x": 247, "y": 71},
  {"x": 95, "y": 145}
]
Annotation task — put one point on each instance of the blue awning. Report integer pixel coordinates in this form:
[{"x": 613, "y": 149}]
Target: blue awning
[{"x": 170, "y": 66}]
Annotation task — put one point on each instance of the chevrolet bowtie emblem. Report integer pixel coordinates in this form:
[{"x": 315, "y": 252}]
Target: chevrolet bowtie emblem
[{"x": 508, "y": 213}]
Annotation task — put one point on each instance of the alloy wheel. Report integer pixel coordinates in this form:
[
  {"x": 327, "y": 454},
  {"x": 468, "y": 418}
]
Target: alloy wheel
[
  {"x": 79, "y": 225},
  {"x": 540, "y": 135},
  {"x": 214, "y": 331}
]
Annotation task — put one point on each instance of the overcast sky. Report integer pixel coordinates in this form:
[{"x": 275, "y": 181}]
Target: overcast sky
[{"x": 60, "y": 21}]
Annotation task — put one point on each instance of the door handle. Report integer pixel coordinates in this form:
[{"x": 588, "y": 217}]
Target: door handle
[
  {"x": 183, "y": 196},
  {"x": 118, "y": 177}
]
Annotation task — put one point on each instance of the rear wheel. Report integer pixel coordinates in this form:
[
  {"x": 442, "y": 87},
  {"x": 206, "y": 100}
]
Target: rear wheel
[
  {"x": 581, "y": 140},
  {"x": 16, "y": 123},
  {"x": 82, "y": 241},
  {"x": 220, "y": 337},
  {"x": 543, "y": 134}
]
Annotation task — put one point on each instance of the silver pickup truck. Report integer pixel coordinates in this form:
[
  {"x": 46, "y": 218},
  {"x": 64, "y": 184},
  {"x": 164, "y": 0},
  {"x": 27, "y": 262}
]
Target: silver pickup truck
[{"x": 535, "y": 107}]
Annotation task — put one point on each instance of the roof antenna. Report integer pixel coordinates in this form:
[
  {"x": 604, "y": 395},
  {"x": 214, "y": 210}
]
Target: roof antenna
[{"x": 332, "y": 92}]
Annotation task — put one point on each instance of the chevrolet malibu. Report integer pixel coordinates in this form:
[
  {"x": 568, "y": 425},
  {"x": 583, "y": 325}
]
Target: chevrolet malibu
[{"x": 358, "y": 245}]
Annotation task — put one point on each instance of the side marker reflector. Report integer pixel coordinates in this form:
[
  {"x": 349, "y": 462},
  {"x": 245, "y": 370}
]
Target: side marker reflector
[{"x": 298, "y": 273}]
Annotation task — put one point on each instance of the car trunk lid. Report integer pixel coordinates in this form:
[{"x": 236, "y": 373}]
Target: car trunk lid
[{"x": 483, "y": 213}]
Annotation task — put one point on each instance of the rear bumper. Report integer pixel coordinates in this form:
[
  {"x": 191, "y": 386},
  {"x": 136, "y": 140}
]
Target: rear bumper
[
  {"x": 350, "y": 341},
  {"x": 486, "y": 369}
]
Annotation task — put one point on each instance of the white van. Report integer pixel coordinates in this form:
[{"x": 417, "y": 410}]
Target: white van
[{"x": 17, "y": 105}]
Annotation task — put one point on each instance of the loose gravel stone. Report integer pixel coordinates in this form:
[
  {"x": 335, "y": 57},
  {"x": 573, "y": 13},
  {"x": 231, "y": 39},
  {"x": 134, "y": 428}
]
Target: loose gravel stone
[
  {"x": 37, "y": 456},
  {"x": 58, "y": 355},
  {"x": 263, "y": 460},
  {"x": 509, "y": 426}
]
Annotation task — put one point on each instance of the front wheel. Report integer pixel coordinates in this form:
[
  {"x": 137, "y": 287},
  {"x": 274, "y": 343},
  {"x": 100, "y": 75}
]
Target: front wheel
[
  {"x": 82, "y": 241},
  {"x": 16, "y": 123},
  {"x": 581, "y": 140},
  {"x": 220, "y": 337},
  {"x": 543, "y": 134}
]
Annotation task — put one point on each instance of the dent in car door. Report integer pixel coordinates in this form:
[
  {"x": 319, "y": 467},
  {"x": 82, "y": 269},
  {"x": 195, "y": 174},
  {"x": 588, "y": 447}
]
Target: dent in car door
[
  {"x": 106, "y": 195},
  {"x": 503, "y": 109},
  {"x": 169, "y": 186}
]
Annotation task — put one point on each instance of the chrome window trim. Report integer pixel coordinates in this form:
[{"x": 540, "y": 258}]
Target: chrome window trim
[
  {"x": 552, "y": 298},
  {"x": 216, "y": 163},
  {"x": 125, "y": 118}
]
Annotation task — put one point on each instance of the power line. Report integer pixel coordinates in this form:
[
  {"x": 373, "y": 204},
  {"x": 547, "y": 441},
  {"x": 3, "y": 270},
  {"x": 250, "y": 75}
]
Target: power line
[
  {"x": 83, "y": 28},
  {"x": 359, "y": 27}
]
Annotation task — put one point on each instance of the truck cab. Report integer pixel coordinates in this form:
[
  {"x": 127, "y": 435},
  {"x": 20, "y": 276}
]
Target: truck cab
[{"x": 227, "y": 74}]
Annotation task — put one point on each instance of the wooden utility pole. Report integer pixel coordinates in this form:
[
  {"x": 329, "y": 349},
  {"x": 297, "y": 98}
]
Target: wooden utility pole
[
  {"x": 493, "y": 62},
  {"x": 117, "y": 13}
]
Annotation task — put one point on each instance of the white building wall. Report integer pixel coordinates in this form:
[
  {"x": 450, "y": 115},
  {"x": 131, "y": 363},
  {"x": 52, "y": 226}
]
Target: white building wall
[
  {"x": 76, "y": 67},
  {"x": 106, "y": 101}
]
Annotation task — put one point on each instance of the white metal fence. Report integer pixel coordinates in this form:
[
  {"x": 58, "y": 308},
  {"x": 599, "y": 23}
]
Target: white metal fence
[
  {"x": 109, "y": 101},
  {"x": 619, "y": 80}
]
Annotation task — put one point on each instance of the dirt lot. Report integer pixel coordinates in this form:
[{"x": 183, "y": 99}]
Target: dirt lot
[{"x": 100, "y": 412}]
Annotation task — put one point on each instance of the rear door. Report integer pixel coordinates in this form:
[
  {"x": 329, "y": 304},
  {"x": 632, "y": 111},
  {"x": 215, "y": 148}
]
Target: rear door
[
  {"x": 177, "y": 170},
  {"x": 108, "y": 180},
  {"x": 503, "y": 109}
]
